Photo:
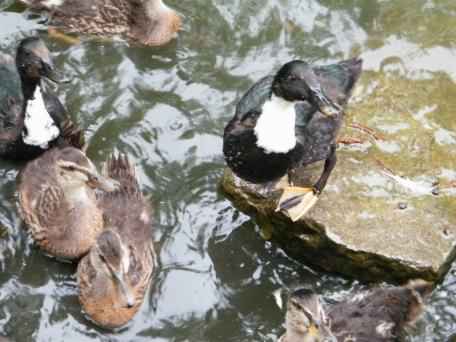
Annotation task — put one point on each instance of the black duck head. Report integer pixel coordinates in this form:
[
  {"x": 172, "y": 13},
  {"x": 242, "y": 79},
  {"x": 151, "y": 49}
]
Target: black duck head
[
  {"x": 33, "y": 60},
  {"x": 296, "y": 81}
]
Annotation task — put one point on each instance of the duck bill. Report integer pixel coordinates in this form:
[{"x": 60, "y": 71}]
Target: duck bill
[
  {"x": 326, "y": 106},
  {"x": 106, "y": 184},
  {"x": 50, "y": 73},
  {"x": 126, "y": 290}
]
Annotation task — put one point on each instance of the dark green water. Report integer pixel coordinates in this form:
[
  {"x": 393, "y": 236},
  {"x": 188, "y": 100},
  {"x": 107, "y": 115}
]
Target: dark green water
[{"x": 166, "y": 107}]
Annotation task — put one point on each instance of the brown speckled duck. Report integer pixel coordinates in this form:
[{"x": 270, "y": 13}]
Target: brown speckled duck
[
  {"x": 115, "y": 275},
  {"x": 379, "y": 315},
  {"x": 58, "y": 204},
  {"x": 149, "y": 22}
]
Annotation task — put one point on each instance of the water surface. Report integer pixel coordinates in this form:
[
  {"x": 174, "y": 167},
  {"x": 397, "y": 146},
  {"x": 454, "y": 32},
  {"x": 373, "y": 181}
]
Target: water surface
[{"x": 167, "y": 107}]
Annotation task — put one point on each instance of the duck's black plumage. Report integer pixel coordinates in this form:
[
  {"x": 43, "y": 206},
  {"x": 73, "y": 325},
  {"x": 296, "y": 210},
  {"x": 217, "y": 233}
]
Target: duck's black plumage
[
  {"x": 315, "y": 132},
  {"x": 19, "y": 78}
]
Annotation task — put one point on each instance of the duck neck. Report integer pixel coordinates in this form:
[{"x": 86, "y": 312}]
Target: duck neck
[
  {"x": 29, "y": 86},
  {"x": 76, "y": 195}
]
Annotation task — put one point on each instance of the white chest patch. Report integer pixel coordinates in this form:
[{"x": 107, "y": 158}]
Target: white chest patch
[
  {"x": 40, "y": 128},
  {"x": 53, "y": 3},
  {"x": 275, "y": 128}
]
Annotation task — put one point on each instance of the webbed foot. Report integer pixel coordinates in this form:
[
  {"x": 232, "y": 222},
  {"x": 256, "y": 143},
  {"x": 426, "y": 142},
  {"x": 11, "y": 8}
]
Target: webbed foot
[{"x": 297, "y": 201}]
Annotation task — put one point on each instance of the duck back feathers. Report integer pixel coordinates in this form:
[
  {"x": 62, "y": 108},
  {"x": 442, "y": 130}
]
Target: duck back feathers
[{"x": 379, "y": 315}]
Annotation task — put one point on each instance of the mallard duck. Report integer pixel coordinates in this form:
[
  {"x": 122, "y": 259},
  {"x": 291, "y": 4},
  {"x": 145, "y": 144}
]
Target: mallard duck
[
  {"x": 31, "y": 116},
  {"x": 149, "y": 22},
  {"x": 57, "y": 201},
  {"x": 287, "y": 121},
  {"x": 115, "y": 275},
  {"x": 379, "y": 315}
]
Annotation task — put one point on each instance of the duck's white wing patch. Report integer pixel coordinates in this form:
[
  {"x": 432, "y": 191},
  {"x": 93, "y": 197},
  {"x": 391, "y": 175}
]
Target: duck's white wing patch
[
  {"x": 275, "y": 128},
  {"x": 40, "y": 128}
]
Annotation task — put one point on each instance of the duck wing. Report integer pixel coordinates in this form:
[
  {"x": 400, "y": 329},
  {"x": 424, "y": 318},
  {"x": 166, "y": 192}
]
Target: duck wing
[
  {"x": 11, "y": 100},
  {"x": 338, "y": 80}
]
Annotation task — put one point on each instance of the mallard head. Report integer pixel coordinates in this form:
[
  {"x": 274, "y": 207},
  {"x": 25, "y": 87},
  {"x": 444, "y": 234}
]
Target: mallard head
[
  {"x": 305, "y": 317},
  {"x": 34, "y": 61},
  {"x": 75, "y": 170},
  {"x": 111, "y": 259},
  {"x": 296, "y": 81}
]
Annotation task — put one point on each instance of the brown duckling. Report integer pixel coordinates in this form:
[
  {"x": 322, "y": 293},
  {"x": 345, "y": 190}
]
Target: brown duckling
[
  {"x": 379, "y": 315},
  {"x": 115, "y": 275},
  {"x": 58, "y": 204},
  {"x": 149, "y": 22}
]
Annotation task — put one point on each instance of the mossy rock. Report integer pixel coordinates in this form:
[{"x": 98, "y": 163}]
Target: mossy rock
[{"x": 389, "y": 210}]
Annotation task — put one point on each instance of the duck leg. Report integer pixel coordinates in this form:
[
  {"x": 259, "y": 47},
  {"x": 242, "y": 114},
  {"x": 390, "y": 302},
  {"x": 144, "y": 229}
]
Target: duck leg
[{"x": 297, "y": 201}]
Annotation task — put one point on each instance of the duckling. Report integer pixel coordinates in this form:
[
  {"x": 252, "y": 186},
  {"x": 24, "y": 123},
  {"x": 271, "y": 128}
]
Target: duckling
[
  {"x": 287, "y": 121},
  {"x": 115, "y": 275},
  {"x": 31, "y": 116},
  {"x": 148, "y": 22},
  {"x": 379, "y": 315},
  {"x": 57, "y": 201}
]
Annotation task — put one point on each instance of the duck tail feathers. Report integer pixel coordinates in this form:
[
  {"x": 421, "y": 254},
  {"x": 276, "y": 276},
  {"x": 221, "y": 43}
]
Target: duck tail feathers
[{"x": 121, "y": 169}]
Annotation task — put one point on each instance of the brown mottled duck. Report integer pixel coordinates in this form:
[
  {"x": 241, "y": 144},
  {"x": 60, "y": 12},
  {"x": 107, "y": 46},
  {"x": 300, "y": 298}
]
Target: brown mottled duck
[
  {"x": 57, "y": 201},
  {"x": 379, "y": 315},
  {"x": 148, "y": 22},
  {"x": 115, "y": 275}
]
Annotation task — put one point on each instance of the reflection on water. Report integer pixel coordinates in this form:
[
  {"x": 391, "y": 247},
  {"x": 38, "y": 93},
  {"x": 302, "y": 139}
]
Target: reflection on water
[{"x": 167, "y": 107}]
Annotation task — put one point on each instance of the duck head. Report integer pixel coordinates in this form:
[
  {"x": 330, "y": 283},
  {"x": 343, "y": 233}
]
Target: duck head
[
  {"x": 305, "y": 317},
  {"x": 75, "y": 170},
  {"x": 33, "y": 60},
  {"x": 296, "y": 81},
  {"x": 111, "y": 259}
]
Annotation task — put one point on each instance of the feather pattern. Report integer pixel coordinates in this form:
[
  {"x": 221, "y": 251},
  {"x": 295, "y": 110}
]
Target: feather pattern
[{"x": 148, "y": 22}]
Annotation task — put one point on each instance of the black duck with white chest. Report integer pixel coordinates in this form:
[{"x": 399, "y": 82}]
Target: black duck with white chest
[
  {"x": 379, "y": 315},
  {"x": 288, "y": 121},
  {"x": 32, "y": 118}
]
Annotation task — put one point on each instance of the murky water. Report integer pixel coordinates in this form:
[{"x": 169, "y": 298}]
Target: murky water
[{"x": 166, "y": 107}]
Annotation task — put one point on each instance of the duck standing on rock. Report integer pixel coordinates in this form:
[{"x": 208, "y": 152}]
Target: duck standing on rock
[
  {"x": 148, "y": 22},
  {"x": 57, "y": 201},
  {"x": 288, "y": 121},
  {"x": 114, "y": 276},
  {"x": 379, "y": 315},
  {"x": 31, "y": 116}
]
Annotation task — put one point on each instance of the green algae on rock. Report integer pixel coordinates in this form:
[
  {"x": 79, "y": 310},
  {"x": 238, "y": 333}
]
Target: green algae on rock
[{"x": 389, "y": 210}]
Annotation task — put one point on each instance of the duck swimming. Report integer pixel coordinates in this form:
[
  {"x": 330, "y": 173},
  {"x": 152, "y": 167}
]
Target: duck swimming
[
  {"x": 287, "y": 121},
  {"x": 379, "y": 315},
  {"x": 57, "y": 201},
  {"x": 115, "y": 275},
  {"x": 148, "y": 22},
  {"x": 31, "y": 116}
]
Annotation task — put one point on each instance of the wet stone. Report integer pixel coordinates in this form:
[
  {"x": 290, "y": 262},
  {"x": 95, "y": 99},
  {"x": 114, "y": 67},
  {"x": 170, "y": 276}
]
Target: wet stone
[{"x": 379, "y": 217}]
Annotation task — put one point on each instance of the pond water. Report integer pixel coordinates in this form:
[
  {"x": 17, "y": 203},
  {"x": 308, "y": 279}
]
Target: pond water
[{"x": 167, "y": 107}]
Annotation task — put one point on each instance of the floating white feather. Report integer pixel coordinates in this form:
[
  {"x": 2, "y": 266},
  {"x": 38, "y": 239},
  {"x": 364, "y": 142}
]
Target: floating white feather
[
  {"x": 41, "y": 129},
  {"x": 275, "y": 128}
]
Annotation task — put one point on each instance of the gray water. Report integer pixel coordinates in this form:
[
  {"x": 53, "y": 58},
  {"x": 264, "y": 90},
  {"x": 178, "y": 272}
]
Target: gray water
[{"x": 167, "y": 107}]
